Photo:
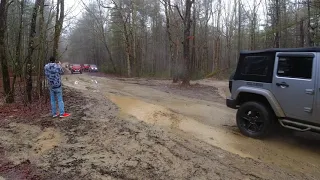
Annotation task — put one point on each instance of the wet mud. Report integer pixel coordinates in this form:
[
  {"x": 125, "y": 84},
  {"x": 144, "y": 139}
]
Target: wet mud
[
  {"x": 215, "y": 124},
  {"x": 271, "y": 150},
  {"x": 128, "y": 131}
]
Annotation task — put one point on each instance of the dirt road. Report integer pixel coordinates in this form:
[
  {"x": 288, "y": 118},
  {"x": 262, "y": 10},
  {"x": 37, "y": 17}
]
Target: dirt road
[
  {"x": 208, "y": 120},
  {"x": 142, "y": 129}
]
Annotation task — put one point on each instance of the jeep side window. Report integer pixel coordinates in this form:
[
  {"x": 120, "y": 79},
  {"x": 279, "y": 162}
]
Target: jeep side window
[
  {"x": 295, "y": 67},
  {"x": 255, "y": 65}
]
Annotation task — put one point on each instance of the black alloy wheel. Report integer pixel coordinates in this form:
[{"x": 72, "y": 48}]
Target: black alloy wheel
[{"x": 254, "y": 119}]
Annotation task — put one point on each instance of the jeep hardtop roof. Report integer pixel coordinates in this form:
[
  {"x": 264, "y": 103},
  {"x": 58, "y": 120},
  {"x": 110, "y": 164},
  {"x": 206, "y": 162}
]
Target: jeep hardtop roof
[
  {"x": 267, "y": 63},
  {"x": 274, "y": 50}
]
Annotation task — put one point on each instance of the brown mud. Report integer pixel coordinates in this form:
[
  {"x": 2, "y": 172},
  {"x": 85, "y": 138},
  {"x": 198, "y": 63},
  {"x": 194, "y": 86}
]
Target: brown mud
[
  {"x": 213, "y": 123},
  {"x": 120, "y": 130}
]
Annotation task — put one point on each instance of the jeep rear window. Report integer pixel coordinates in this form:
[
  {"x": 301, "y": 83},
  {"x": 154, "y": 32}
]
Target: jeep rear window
[
  {"x": 255, "y": 65},
  {"x": 295, "y": 67}
]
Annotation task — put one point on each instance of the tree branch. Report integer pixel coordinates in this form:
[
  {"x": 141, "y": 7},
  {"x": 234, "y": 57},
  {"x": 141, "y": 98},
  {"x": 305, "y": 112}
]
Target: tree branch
[{"x": 176, "y": 6}]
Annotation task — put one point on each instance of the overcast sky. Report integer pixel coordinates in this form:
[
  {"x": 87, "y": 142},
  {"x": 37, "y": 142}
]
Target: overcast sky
[{"x": 75, "y": 7}]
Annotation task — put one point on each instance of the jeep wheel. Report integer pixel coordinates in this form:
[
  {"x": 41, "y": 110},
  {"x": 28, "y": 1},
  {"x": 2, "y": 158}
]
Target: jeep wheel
[{"x": 254, "y": 119}]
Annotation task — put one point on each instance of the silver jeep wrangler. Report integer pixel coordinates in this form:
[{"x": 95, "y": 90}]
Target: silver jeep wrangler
[{"x": 276, "y": 85}]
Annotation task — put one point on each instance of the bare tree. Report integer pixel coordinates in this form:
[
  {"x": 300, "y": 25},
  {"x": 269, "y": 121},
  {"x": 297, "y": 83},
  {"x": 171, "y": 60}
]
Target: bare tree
[
  {"x": 17, "y": 62},
  {"x": 58, "y": 26},
  {"x": 31, "y": 48},
  {"x": 193, "y": 37},
  {"x": 239, "y": 25},
  {"x": 186, "y": 42},
  {"x": 102, "y": 30},
  {"x": 125, "y": 18},
  {"x": 3, "y": 53},
  {"x": 217, "y": 42},
  {"x": 277, "y": 24},
  {"x": 309, "y": 40},
  {"x": 41, "y": 55}
]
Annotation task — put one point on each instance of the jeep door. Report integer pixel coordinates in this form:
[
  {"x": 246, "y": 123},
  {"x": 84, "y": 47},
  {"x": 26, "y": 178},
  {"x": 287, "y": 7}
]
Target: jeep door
[{"x": 294, "y": 84}]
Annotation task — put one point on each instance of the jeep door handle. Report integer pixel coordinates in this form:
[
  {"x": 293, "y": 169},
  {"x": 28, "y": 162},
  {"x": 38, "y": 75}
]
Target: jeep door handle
[
  {"x": 283, "y": 85},
  {"x": 310, "y": 91}
]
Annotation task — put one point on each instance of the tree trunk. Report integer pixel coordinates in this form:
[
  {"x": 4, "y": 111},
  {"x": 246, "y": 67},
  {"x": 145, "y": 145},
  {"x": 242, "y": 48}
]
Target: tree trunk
[
  {"x": 239, "y": 27},
  {"x": 310, "y": 39},
  {"x": 297, "y": 26},
  {"x": 167, "y": 11},
  {"x": 108, "y": 50},
  {"x": 177, "y": 73},
  {"x": 41, "y": 50},
  {"x": 217, "y": 43},
  {"x": 205, "y": 56},
  {"x": 285, "y": 22},
  {"x": 134, "y": 38},
  {"x": 17, "y": 64},
  {"x": 128, "y": 59},
  {"x": 253, "y": 27},
  {"x": 277, "y": 25},
  {"x": 3, "y": 54},
  {"x": 58, "y": 27},
  {"x": 193, "y": 53},
  {"x": 301, "y": 33},
  {"x": 127, "y": 42},
  {"x": 186, "y": 43},
  {"x": 104, "y": 41},
  {"x": 125, "y": 36},
  {"x": 29, "y": 64}
]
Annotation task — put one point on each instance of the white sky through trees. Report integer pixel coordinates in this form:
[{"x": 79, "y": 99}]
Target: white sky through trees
[{"x": 74, "y": 9}]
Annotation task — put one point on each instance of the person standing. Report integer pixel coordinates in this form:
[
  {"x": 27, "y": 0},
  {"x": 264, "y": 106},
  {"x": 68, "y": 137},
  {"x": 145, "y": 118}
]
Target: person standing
[{"x": 53, "y": 71}]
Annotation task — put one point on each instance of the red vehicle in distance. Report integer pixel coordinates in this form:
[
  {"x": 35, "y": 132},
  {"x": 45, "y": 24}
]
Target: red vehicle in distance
[
  {"x": 86, "y": 67},
  {"x": 76, "y": 68}
]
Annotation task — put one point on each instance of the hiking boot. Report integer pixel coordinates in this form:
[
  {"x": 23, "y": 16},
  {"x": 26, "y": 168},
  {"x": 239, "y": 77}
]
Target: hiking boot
[{"x": 65, "y": 115}]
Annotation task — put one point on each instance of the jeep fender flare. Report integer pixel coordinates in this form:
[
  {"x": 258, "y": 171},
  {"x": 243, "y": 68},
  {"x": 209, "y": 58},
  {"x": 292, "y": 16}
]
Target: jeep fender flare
[{"x": 267, "y": 94}]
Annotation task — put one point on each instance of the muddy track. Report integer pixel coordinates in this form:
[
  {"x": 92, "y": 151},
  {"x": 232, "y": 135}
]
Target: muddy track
[
  {"x": 99, "y": 142},
  {"x": 100, "y": 147}
]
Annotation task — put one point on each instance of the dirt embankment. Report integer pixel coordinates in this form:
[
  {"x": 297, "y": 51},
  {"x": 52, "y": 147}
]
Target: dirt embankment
[{"x": 96, "y": 143}]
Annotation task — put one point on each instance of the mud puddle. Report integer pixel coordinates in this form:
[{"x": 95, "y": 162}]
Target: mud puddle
[
  {"x": 289, "y": 156},
  {"x": 159, "y": 115},
  {"x": 47, "y": 140}
]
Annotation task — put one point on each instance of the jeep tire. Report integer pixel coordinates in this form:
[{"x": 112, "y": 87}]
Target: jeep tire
[{"x": 255, "y": 119}]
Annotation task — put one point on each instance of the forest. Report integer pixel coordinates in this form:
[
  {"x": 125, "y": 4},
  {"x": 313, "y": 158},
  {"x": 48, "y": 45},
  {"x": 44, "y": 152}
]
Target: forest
[{"x": 177, "y": 39}]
